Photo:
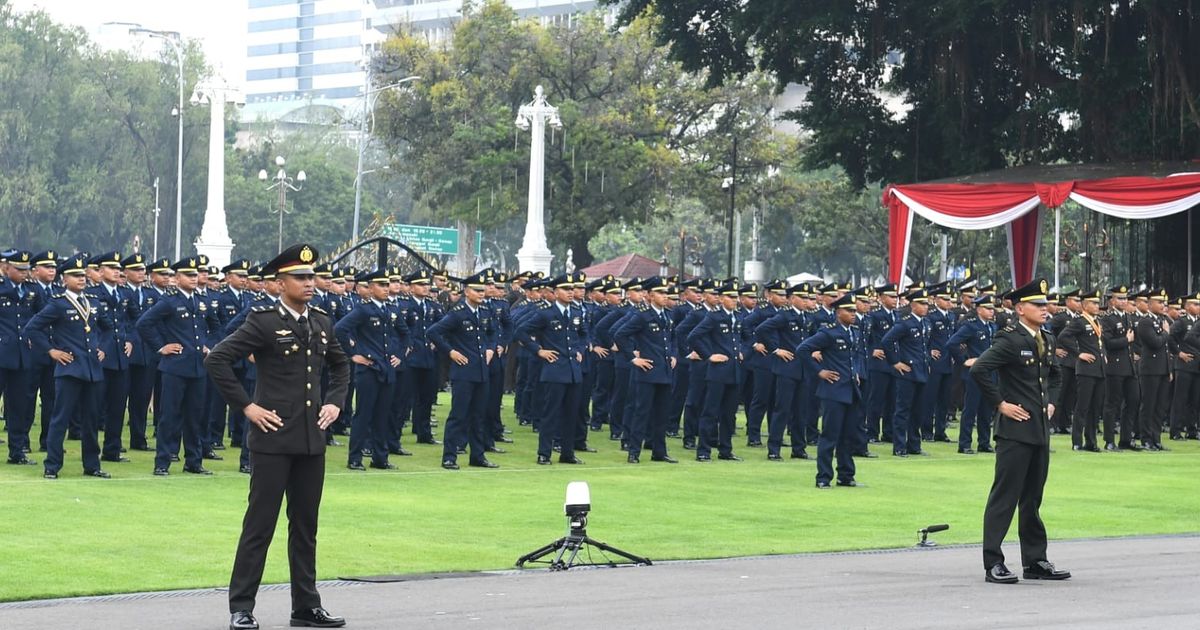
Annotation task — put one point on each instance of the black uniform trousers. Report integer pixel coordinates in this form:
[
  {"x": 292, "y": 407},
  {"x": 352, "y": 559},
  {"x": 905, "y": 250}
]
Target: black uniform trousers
[
  {"x": 620, "y": 395},
  {"x": 560, "y": 408},
  {"x": 761, "y": 398},
  {"x": 72, "y": 395},
  {"x": 182, "y": 419},
  {"x": 649, "y": 426},
  {"x": 141, "y": 386},
  {"x": 302, "y": 479},
  {"x": 18, "y": 417},
  {"x": 422, "y": 386},
  {"x": 43, "y": 387},
  {"x": 493, "y": 425},
  {"x": 679, "y": 389},
  {"x": 1021, "y": 471},
  {"x": 839, "y": 434},
  {"x": 1184, "y": 403},
  {"x": 601, "y": 393},
  {"x": 583, "y": 418},
  {"x": 1064, "y": 408},
  {"x": 785, "y": 416},
  {"x": 906, "y": 421},
  {"x": 1121, "y": 401},
  {"x": 464, "y": 425},
  {"x": 372, "y": 417},
  {"x": 717, "y": 419},
  {"x": 1153, "y": 409},
  {"x": 881, "y": 404},
  {"x": 116, "y": 392},
  {"x": 1089, "y": 400},
  {"x": 693, "y": 402}
]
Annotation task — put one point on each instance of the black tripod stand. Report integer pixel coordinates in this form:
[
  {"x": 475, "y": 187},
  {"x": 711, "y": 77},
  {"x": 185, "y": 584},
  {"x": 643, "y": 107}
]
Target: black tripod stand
[{"x": 575, "y": 540}]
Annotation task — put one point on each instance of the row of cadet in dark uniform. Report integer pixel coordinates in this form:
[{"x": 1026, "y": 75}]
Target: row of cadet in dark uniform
[{"x": 650, "y": 358}]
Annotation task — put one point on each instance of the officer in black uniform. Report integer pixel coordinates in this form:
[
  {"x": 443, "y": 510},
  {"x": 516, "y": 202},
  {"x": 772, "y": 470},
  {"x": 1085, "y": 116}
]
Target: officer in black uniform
[
  {"x": 291, "y": 343},
  {"x": 1153, "y": 333},
  {"x": 1023, "y": 357},
  {"x": 19, "y": 301}
]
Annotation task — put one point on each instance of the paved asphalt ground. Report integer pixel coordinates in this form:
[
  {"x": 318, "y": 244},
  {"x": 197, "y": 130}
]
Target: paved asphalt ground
[{"x": 1124, "y": 584}]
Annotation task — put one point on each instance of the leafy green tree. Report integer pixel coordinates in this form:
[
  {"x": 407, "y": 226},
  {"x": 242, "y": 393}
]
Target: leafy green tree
[{"x": 635, "y": 126}]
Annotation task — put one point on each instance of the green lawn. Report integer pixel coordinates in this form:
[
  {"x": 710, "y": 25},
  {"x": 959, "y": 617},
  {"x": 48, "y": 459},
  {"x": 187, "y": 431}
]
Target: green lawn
[{"x": 137, "y": 532}]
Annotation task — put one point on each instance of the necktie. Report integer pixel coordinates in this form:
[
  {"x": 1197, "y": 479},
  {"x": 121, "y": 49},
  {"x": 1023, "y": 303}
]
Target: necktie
[
  {"x": 20, "y": 292},
  {"x": 1041, "y": 344}
]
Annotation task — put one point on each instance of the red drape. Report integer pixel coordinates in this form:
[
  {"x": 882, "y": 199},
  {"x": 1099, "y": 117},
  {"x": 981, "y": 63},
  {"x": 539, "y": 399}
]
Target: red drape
[{"x": 982, "y": 206}]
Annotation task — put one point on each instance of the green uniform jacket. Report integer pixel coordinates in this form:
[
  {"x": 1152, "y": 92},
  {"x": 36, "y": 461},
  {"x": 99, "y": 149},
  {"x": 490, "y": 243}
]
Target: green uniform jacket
[
  {"x": 289, "y": 359},
  {"x": 1025, "y": 379}
]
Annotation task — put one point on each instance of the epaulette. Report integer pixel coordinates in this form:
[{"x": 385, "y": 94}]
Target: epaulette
[
  {"x": 458, "y": 307},
  {"x": 1008, "y": 328},
  {"x": 171, "y": 291},
  {"x": 262, "y": 308},
  {"x": 544, "y": 305},
  {"x": 643, "y": 307},
  {"x": 318, "y": 309}
]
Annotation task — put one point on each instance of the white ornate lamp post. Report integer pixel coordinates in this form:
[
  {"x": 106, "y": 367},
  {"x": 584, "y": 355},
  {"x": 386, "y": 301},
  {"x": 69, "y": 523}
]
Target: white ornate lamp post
[
  {"x": 534, "y": 255},
  {"x": 214, "y": 239},
  {"x": 283, "y": 183}
]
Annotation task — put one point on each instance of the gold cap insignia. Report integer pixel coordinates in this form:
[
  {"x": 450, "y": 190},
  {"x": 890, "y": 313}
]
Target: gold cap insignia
[
  {"x": 1044, "y": 287},
  {"x": 306, "y": 255}
]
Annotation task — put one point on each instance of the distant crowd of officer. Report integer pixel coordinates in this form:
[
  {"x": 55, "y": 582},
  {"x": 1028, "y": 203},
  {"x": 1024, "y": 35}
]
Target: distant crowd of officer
[{"x": 100, "y": 338}]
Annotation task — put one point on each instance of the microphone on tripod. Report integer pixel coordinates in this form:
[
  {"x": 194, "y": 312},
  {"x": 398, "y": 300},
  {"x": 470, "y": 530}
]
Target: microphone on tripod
[{"x": 926, "y": 531}]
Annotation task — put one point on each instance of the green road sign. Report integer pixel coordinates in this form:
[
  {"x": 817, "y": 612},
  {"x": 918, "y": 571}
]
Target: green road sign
[{"x": 429, "y": 240}]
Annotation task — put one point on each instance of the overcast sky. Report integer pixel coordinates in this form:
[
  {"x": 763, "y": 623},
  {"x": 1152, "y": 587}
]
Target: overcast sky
[{"x": 220, "y": 25}]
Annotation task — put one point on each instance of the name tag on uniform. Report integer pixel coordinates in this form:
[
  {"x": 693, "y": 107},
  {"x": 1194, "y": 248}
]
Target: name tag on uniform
[{"x": 1027, "y": 353}]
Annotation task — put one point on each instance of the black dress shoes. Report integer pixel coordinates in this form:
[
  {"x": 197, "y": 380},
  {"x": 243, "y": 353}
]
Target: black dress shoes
[
  {"x": 332, "y": 442},
  {"x": 848, "y": 483},
  {"x": 316, "y": 618},
  {"x": 213, "y": 456},
  {"x": 543, "y": 460},
  {"x": 502, "y": 439},
  {"x": 243, "y": 620},
  {"x": 632, "y": 460},
  {"x": 245, "y": 470},
  {"x": 495, "y": 449},
  {"x": 399, "y": 451},
  {"x": 986, "y": 449},
  {"x": 587, "y": 449},
  {"x": 774, "y": 457},
  {"x": 433, "y": 441},
  {"x": 1044, "y": 570},
  {"x": 22, "y": 461},
  {"x": 569, "y": 460},
  {"x": 665, "y": 458},
  {"x": 161, "y": 472},
  {"x": 450, "y": 464},
  {"x": 730, "y": 458},
  {"x": 50, "y": 475},
  {"x": 99, "y": 474},
  {"x": 801, "y": 455},
  {"x": 967, "y": 451},
  {"x": 118, "y": 459},
  {"x": 823, "y": 485},
  {"x": 754, "y": 444},
  {"x": 356, "y": 466},
  {"x": 483, "y": 463},
  {"x": 703, "y": 458},
  {"x": 691, "y": 446},
  {"x": 866, "y": 455},
  {"x": 199, "y": 470},
  {"x": 383, "y": 466},
  {"x": 999, "y": 574}
]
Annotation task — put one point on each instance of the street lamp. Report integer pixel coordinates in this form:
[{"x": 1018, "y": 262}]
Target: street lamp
[
  {"x": 283, "y": 183},
  {"x": 157, "y": 211},
  {"x": 175, "y": 41},
  {"x": 369, "y": 97}
]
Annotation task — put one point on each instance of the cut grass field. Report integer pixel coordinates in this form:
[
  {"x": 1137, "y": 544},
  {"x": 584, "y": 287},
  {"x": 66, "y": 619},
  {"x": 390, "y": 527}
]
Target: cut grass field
[{"x": 137, "y": 532}]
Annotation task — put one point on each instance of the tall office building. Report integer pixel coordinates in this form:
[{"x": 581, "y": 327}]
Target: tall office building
[
  {"x": 303, "y": 52},
  {"x": 304, "y": 58}
]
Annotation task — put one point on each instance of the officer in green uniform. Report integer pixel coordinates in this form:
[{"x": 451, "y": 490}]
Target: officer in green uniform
[{"x": 1022, "y": 354}]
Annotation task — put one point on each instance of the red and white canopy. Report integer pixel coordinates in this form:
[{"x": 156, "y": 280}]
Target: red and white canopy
[{"x": 1017, "y": 206}]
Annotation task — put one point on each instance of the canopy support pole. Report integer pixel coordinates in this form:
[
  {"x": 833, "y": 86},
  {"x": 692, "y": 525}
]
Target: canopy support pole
[{"x": 1057, "y": 240}]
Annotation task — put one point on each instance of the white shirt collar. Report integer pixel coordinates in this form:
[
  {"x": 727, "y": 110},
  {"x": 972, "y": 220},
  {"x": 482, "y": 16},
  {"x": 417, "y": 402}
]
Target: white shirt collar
[{"x": 294, "y": 314}]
